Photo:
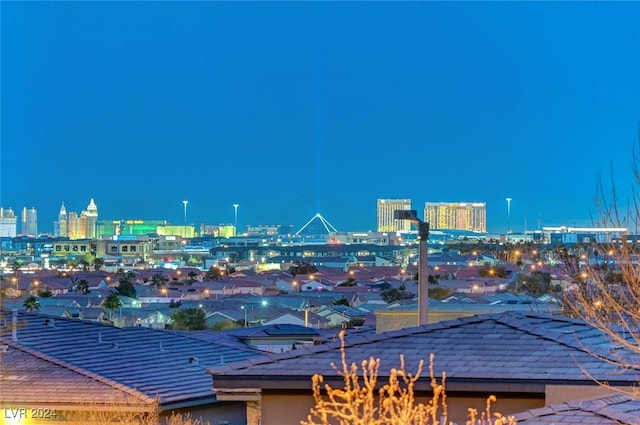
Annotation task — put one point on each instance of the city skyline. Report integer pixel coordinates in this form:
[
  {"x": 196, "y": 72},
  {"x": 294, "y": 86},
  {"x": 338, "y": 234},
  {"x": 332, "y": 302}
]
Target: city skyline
[
  {"x": 85, "y": 220},
  {"x": 293, "y": 109}
]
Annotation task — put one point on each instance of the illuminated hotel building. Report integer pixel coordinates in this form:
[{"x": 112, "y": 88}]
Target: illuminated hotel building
[
  {"x": 29, "y": 221},
  {"x": 76, "y": 226},
  {"x": 386, "y": 211},
  {"x": 457, "y": 215}
]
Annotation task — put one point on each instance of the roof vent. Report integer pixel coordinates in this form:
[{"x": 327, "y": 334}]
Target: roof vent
[
  {"x": 50, "y": 322},
  {"x": 161, "y": 347},
  {"x": 114, "y": 345},
  {"x": 100, "y": 337},
  {"x": 221, "y": 359},
  {"x": 4, "y": 348},
  {"x": 194, "y": 360}
]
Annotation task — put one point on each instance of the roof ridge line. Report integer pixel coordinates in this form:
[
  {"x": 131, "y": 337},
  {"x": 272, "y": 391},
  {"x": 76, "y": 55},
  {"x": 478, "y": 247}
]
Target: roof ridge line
[{"x": 91, "y": 375}]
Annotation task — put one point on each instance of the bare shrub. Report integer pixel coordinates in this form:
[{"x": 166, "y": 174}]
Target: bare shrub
[{"x": 363, "y": 401}]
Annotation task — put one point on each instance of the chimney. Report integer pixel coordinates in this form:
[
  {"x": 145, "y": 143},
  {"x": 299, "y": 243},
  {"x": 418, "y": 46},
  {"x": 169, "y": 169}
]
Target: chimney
[{"x": 14, "y": 325}]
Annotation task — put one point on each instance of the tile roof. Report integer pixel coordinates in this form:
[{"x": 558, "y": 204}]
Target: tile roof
[
  {"x": 618, "y": 409},
  {"x": 158, "y": 364},
  {"x": 498, "y": 349},
  {"x": 29, "y": 377}
]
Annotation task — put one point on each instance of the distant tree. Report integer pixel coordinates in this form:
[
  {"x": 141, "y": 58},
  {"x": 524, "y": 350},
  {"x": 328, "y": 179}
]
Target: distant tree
[
  {"x": 175, "y": 304},
  {"x": 189, "y": 319},
  {"x": 498, "y": 271},
  {"x": 226, "y": 325},
  {"x": 111, "y": 303},
  {"x": 31, "y": 303},
  {"x": 349, "y": 282},
  {"x": 341, "y": 301},
  {"x": 213, "y": 273},
  {"x": 83, "y": 264},
  {"x": 439, "y": 292},
  {"x": 83, "y": 286},
  {"x": 433, "y": 279},
  {"x": 15, "y": 266},
  {"x": 536, "y": 283},
  {"x": 158, "y": 280},
  {"x": 303, "y": 268},
  {"x": 98, "y": 263},
  {"x": 126, "y": 288},
  {"x": 45, "y": 293},
  {"x": 393, "y": 294}
]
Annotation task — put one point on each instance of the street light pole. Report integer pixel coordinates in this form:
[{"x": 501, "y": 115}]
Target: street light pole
[
  {"x": 245, "y": 315},
  {"x": 423, "y": 262}
]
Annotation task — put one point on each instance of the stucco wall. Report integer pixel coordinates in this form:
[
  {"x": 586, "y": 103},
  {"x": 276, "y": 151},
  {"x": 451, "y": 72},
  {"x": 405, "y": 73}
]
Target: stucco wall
[
  {"x": 562, "y": 393},
  {"x": 289, "y": 409},
  {"x": 391, "y": 320}
]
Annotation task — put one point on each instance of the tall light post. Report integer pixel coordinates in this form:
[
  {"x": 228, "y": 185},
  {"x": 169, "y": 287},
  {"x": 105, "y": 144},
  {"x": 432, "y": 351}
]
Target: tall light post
[
  {"x": 423, "y": 262},
  {"x": 508, "y": 215},
  {"x": 245, "y": 314},
  {"x": 185, "y": 211},
  {"x": 235, "y": 215}
]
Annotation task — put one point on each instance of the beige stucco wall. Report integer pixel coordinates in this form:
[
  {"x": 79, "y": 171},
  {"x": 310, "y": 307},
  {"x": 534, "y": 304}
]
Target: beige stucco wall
[
  {"x": 286, "y": 409},
  {"x": 562, "y": 393},
  {"x": 391, "y": 320}
]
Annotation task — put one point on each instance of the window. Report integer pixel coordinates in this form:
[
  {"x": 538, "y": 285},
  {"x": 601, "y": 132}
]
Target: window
[
  {"x": 66, "y": 248},
  {"x": 58, "y": 248},
  {"x": 83, "y": 248},
  {"x": 114, "y": 248},
  {"x": 75, "y": 248},
  {"x": 133, "y": 248},
  {"x": 125, "y": 248}
]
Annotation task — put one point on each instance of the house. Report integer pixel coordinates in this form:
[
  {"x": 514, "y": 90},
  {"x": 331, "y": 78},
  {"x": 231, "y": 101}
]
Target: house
[
  {"x": 67, "y": 364},
  {"x": 528, "y": 360}
]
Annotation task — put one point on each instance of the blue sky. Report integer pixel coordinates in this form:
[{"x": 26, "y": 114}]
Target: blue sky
[{"x": 287, "y": 108}]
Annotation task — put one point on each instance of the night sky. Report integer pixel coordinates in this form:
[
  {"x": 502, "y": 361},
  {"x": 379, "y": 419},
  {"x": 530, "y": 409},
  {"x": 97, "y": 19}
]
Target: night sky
[{"x": 292, "y": 108}]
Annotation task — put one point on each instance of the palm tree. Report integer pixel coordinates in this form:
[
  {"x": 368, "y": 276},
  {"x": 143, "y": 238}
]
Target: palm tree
[
  {"x": 31, "y": 304},
  {"x": 98, "y": 263},
  {"x": 83, "y": 286},
  {"x": 158, "y": 280},
  {"x": 111, "y": 303}
]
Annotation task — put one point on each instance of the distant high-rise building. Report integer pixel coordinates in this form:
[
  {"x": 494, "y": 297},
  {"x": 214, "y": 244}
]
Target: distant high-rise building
[
  {"x": 29, "y": 221},
  {"x": 456, "y": 215},
  {"x": 77, "y": 226},
  {"x": 8, "y": 222},
  {"x": 61, "y": 226},
  {"x": 386, "y": 211},
  {"x": 73, "y": 224},
  {"x": 92, "y": 220}
]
